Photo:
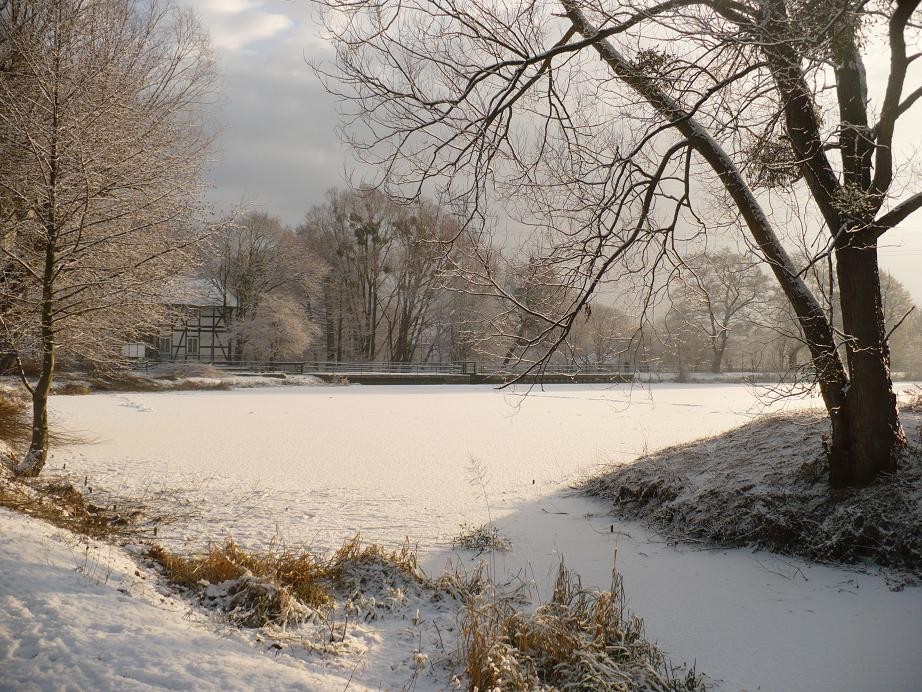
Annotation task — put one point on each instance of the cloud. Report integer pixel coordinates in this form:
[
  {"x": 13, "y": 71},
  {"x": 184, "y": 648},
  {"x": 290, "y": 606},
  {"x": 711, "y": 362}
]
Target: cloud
[
  {"x": 245, "y": 28},
  {"x": 238, "y": 24},
  {"x": 279, "y": 149},
  {"x": 228, "y": 6}
]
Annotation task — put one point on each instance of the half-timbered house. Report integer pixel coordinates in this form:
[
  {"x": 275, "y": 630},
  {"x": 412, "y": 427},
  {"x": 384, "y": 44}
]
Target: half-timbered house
[{"x": 203, "y": 330}]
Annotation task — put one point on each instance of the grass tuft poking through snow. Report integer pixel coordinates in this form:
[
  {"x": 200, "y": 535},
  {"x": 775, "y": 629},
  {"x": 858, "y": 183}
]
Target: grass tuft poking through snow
[
  {"x": 765, "y": 484},
  {"x": 277, "y": 587},
  {"x": 284, "y": 586},
  {"x": 580, "y": 640},
  {"x": 481, "y": 539},
  {"x": 58, "y": 502}
]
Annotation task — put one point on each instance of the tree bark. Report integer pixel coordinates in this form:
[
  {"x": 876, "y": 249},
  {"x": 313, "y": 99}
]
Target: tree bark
[
  {"x": 35, "y": 458},
  {"x": 868, "y": 425},
  {"x": 718, "y": 350}
]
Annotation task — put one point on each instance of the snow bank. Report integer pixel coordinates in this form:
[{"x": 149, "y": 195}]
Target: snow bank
[
  {"x": 766, "y": 484},
  {"x": 84, "y": 615}
]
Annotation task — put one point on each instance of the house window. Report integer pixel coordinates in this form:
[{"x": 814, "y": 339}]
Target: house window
[
  {"x": 192, "y": 346},
  {"x": 165, "y": 346}
]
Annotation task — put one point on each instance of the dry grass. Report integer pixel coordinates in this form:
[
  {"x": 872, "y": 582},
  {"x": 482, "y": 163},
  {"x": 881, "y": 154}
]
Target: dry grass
[
  {"x": 59, "y": 503},
  {"x": 175, "y": 371},
  {"x": 15, "y": 420},
  {"x": 355, "y": 554},
  {"x": 156, "y": 381},
  {"x": 580, "y": 640},
  {"x": 721, "y": 491},
  {"x": 282, "y": 586},
  {"x": 481, "y": 539},
  {"x": 199, "y": 385},
  {"x": 914, "y": 404},
  {"x": 277, "y": 587},
  {"x": 299, "y": 572},
  {"x": 74, "y": 389}
]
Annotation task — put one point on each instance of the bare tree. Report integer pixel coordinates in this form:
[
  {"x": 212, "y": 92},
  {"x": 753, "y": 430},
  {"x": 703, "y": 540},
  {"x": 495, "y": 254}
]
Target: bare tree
[
  {"x": 385, "y": 267},
  {"x": 417, "y": 264},
  {"x": 102, "y": 140},
  {"x": 719, "y": 295},
  {"x": 605, "y": 123},
  {"x": 265, "y": 274},
  {"x": 604, "y": 335},
  {"x": 901, "y": 319}
]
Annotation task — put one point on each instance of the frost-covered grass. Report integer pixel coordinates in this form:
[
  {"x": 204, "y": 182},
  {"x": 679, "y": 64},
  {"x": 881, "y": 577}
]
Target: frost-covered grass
[
  {"x": 581, "y": 639},
  {"x": 85, "y": 615},
  {"x": 283, "y": 586},
  {"x": 15, "y": 421},
  {"x": 481, "y": 538},
  {"x": 765, "y": 484},
  {"x": 57, "y": 501}
]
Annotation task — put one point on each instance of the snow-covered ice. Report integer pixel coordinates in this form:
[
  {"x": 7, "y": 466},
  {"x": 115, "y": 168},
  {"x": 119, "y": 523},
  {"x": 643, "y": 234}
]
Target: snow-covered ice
[{"x": 317, "y": 464}]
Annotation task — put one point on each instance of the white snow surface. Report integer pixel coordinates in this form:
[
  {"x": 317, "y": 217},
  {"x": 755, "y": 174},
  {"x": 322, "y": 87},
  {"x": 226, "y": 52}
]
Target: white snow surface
[
  {"x": 81, "y": 615},
  {"x": 314, "y": 465}
]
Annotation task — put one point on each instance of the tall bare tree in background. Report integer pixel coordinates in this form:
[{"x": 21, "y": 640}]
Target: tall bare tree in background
[
  {"x": 269, "y": 281},
  {"x": 381, "y": 295},
  {"x": 102, "y": 141},
  {"x": 604, "y": 336},
  {"x": 603, "y": 122},
  {"x": 719, "y": 294}
]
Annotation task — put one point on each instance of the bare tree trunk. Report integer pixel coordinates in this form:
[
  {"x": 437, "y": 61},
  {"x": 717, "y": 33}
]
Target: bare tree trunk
[
  {"x": 329, "y": 324},
  {"x": 874, "y": 434},
  {"x": 37, "y": 455},
  {"x": 35, "y": 458},
  {"x": 866, "y": 432},
  {"x": 718, "y": 349}
]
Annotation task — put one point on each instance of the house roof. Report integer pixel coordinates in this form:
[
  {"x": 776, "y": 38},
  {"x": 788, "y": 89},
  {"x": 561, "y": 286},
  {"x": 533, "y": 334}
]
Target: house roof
[{"x": 197, "y": 292}]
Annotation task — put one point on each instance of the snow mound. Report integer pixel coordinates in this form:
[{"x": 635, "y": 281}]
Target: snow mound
[{"x": 765, "y": 484}]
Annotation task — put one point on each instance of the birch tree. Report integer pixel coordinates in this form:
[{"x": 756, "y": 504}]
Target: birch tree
[
  {"x": 622, "y": 129},
  {"x": 103, "y": 139}
]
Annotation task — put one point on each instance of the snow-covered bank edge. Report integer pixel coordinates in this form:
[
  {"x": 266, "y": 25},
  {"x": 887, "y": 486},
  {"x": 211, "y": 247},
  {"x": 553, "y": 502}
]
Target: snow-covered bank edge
[
  {"x": 81, "y": 608},
  {"x": 765, "y": 485},
  {"x": 185, "y": 377}
]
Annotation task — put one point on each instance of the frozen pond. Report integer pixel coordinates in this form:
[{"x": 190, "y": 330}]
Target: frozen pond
[
  {"x": 389, "y": 461},
  {"x": 314, "y": 465}
]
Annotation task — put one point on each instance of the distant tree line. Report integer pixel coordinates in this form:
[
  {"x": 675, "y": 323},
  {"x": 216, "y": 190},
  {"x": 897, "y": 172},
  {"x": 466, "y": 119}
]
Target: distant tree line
[{"x": 363, "y": 279}]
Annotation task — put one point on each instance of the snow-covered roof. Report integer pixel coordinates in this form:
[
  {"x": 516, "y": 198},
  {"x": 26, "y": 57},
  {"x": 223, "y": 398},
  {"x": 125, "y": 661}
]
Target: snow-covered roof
[{"x": 197, "y": 292}]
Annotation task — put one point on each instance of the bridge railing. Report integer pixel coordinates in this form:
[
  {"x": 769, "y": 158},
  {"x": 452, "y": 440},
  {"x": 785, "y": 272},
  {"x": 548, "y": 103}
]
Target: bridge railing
[
  {"x": 393, "y": 368},
  {"x": 323, "y": 367}
]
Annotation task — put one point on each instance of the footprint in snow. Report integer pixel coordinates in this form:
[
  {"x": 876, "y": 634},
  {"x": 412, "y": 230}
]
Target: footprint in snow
[{"x": 135, "y": 405}]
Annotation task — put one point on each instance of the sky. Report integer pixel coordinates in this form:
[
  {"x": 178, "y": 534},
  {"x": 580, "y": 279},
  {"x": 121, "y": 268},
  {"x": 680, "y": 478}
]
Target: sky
[{"x": 279, "y": 150}]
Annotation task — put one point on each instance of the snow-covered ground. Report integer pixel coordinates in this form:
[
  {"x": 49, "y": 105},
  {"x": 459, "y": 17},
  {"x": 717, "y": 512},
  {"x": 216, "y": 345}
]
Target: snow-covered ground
[
  {"x": 314, "y": 465},
  {"x": 81, "y": 616}
]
